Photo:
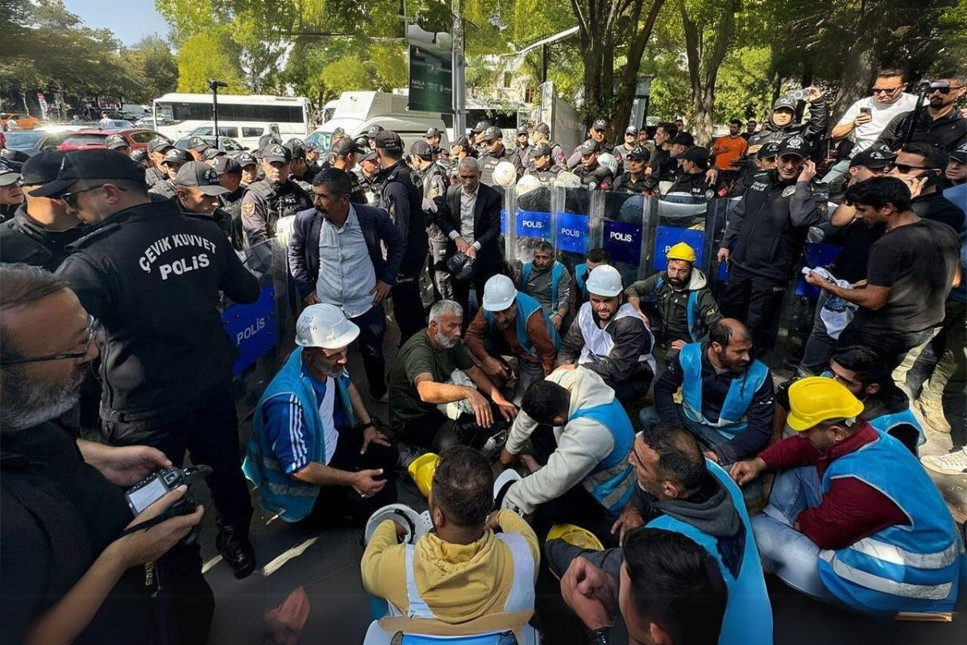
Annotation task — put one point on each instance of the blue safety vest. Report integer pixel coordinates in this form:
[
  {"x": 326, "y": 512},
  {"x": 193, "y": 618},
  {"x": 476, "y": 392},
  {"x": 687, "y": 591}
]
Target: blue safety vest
[
  {"x": 614, "y": 492},
  {"x": 692, "y": 313},
  {"x": 732, "y": 418},
  {"x": 579, "y": 280},
  {"x": 557, "y": 270},
  {"x": 526, "y": 305},
  {"x": 886, "y": 422},
  {"x": 280, "y": 492},
  {"x": 917, "y": 567},
  {"x": 748, "y": 614}
]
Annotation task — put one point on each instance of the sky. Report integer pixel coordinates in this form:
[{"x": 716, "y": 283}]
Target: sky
[{"x": 129, "y": 20}]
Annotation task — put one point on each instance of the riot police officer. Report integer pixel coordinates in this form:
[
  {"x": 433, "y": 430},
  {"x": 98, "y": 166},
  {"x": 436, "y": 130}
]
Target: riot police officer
[
  {"x": 157, "y": 148},
  {"x": 692, "y": 180},
  {"x": 542, "y": 164},
  {"x": 629, "y": 144},
  {"x": 299, "y": 168},
  {"x": 433, "y": 137},
  {"x": 345, "y": 152},
  {"x": 591, "y": 173},
  {"x": 634, "y": 179},
  {"x": 271, "y": 198},
  {"x": 523, "y": 150},
  {"x": 542, "y": 134},
  {"x": 173, "y": 160},
  {"x": 496, "y": 151}
]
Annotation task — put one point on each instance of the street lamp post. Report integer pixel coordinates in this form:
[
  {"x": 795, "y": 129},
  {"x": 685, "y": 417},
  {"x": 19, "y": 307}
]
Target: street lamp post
[{"x": 213, "y": 85}]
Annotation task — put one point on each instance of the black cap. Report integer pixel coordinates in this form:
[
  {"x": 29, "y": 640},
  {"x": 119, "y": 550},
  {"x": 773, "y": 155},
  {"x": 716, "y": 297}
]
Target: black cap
[
  {"x": 794, "y": 145},
  {"x": 91, "y": 164},
  {"x": 9, "y": 174},
  {"x": 540, "y": 150},
  {"x": 492, "y": 134},
  {"x": 139, "y": 155},
  {"x": 338, "y": 132},
  {"x": 159, "y": 145},
  {"x": 267, "y": 139},
  {"x": 346, "y": 146},
  {"x": 116, "y": 141},
  {"x": 960, "y": 154},
  {"x": 246, "y": 159},
  {"x": 480, "y": 127},
  {"x": 198, "y": 144},
  {"x": 696, "y": 154},
  {"x": 683, "y": 139},
  {"x": 523, "y": 130},
  {"x": 543, "y": 128},
  {"x": 639, "y": 153},
  {"x": 770, "y": 149},
  {"x": 421, "y": 149},
  {"x": 177, "y": 155},
  {"x": 226, "y": 166},
  {"x": 784, "y": 103},
  {"x": 873, "y": 157},
  {"x": 388, "y": 140},
  {"x": 276, "y": 152},
  {"x": 600, "y": 124},
  {"x": 369, "y": 156},
  {"x": 43, "y": 168},
  {"x": 374, "y": 130},
  {"x": 432, "y": 132},
  {"x": 213, "y": 153},
  {"x": 296, "y": 148},
  {"x": 201, "y": 176},
  {"x": 463, "y": 142},
  {"x": 631, "y": 130},
  {"x": 588, "y": 147}
]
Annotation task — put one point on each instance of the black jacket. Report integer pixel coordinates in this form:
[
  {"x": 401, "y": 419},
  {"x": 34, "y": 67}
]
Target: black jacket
[
  {"x": 264, "y": 203},
  {"x": 486, "y": 225},
  {"x": 22, "y": 239},
  {"x": 813, "y": 130},
  {"x": 948, "y": 132},
  {"x": 303, "y": 251},
  {"x": 400, "y": 197},
  {"x": 153, "y": 278}
]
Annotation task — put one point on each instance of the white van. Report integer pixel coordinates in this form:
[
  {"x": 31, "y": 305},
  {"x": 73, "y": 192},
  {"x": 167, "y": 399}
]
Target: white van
[
  {"x": 357, "y": 112},
  {"x": 247, "y": 134}
]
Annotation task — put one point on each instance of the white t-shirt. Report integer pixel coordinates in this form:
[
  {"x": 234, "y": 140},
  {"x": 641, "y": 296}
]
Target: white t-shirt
[{"x": 865, "y": 135}]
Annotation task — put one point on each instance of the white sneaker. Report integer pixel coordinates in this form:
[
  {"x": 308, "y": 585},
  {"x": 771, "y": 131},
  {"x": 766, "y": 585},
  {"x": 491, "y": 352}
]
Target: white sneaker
[{"x": 953, "y": 463}]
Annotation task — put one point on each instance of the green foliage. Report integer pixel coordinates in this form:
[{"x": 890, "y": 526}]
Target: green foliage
[
  {"x": 151, "y": 62},
  {"x": 204, "y": 56}
]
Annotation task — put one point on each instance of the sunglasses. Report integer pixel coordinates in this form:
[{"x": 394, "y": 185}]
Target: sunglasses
[
  {"x": 943, "y": 90},
  {"x": 904, "y": 168},
  {"x": 71, "y": 198},
  {"x": 885, "y": 90},
  {"x": 91, "y": 322}
]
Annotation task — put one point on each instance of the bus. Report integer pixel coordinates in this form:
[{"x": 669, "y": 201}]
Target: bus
[{"x": 244, "y": 118}]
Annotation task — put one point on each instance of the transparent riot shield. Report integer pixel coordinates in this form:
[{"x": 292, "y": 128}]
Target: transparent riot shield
[
  {"x": 625, "y": 231},
  {"x": 571, "y": 225}
]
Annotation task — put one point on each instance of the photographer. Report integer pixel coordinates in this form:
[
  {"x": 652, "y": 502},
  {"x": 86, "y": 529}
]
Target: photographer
[{"x": 70, "y": 574}]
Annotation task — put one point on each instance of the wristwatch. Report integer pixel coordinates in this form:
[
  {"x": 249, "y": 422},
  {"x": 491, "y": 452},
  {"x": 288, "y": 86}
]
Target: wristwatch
[{"x": 599, "y": 636}]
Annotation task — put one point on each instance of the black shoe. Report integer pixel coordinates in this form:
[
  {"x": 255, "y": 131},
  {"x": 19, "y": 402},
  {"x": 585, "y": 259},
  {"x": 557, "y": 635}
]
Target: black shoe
[{"x": 237, "y": 551}]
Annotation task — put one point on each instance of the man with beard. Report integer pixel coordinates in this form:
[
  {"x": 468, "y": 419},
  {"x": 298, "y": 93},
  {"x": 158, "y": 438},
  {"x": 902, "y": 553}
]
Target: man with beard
[
  {"x": 727, "y": 396},
  {"x": 610, "y": 338},
  {"x": 432, "y": 370},
  {"x": 941, "y": 123},
  {"x": 71, "y": 570},
  {"x": 512, "y": 323},
  {"x": 549, "y": 282},
  {"x": 267, "y": 201},
  {"x": 315, "y": 450}
]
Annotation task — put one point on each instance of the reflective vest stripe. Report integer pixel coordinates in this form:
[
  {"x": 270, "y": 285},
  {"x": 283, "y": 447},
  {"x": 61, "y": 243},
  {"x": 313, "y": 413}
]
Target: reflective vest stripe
[
  {"x": 416, "y": 608},
  {"x": 732, "y": 417},
  {"x": 884, "y": 585},
  {"x": 897, "y": 555}
]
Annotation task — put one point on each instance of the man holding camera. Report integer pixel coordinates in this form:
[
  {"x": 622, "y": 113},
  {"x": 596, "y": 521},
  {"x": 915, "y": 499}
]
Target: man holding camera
[
  {"x": 71, "y": 572},
  {"x": 940, "y": 123}
]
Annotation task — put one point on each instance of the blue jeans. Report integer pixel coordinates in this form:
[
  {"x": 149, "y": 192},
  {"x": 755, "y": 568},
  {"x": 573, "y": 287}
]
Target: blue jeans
[{"x": 786, "y": 552}]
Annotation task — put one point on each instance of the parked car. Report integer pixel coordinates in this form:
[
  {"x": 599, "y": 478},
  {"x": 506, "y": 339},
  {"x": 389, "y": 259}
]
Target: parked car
[
  {"x": 33, "y": 141},
  {"x": 246, "y": 135},
  {"x": 91, "y": 138},
  {"x": 17, "y": 121},
  {"x": 225, "y": 144}
]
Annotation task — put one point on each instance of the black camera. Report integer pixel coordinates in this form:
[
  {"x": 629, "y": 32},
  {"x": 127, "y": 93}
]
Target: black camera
[{"x": 156, "y": 485}]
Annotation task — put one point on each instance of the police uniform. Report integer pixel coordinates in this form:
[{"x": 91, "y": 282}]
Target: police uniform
[
  {"x": 164, "y": 190},
  {"x": 625, "y": 184},
  {"x": 265, "y": 202},
  {"x": 545, "y": 176},
  {"x": 489, "y": 161},
  {"x": 27, "y": 241},
  {"x": 435, "y": 184},
  {"x": 697, "y": 186},
  {"x": 153, "y": 175}
]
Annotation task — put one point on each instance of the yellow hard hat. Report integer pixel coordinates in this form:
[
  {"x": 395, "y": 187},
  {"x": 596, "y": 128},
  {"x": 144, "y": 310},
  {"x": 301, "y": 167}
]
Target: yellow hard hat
[
  {"x": 681, "y": 251},
  {"x": 422, "y": 470},
  {"x": 575, "y": 536},
  {"x": 815, "y": 399}
]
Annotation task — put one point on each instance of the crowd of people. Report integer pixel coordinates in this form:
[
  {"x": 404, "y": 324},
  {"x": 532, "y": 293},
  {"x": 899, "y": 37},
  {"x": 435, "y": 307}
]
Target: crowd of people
[{"x": 638, "y": 416}]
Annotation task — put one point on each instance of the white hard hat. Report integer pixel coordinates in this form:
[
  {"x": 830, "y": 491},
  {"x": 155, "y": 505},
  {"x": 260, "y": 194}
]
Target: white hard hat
[
  {"x": 505, "y": 174},
  {"x": 528, "y": 183},
  {"x": 607, "y": 160},
  {"x": 604, "y": 281},
  {"x": 503, "y": 483},
  {"x": 324, "y": 326},
  {"x": 499, "y": 293},
  {"x": 416, "y": 524},
  {"x": 567, "y": 180}
]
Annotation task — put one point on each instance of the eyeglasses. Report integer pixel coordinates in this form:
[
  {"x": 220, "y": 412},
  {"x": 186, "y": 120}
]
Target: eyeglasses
[
  {"x": 91, "y": 322},
  {"x": 943, "y": 90},
  {"x": 71, "y": 198},
  {"x": 904, "y": 168},
  {"x": 885, "y": 90}
]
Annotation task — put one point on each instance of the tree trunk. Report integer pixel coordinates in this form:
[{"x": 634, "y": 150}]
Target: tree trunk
[
  {"x": 699, "y": 61},
  {"x": 629, "y": 79},
  {"x": 854, "y": 82}
]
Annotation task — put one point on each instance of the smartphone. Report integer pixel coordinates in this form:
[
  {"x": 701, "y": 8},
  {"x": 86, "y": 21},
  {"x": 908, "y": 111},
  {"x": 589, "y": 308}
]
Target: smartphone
[{"x": 867, "y": 111}]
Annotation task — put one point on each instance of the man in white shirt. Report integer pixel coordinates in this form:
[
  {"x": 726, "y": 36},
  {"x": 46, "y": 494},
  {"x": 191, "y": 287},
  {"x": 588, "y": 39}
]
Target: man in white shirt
[{"x": 866, "y": 118}]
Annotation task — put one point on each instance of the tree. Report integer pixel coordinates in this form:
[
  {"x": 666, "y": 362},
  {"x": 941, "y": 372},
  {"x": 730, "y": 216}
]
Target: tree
[
  {"x": 205, "y": 56},
  {"x": 150, "y": 60}
]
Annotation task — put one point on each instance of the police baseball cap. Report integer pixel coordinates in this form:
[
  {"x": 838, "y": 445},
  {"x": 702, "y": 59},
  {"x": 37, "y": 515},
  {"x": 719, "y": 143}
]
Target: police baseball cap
[
  {"x": 10, "y": 175},
  {"x": 639, "y": 153},
  {"x": 875, "y": 158},
  {"x": 770, "y": 149},
  {"x": 369, "y": 156},
  {"x": 201, "y": 176},
  {"x": 541, "y": 150},
  {"x": 784, "y": 103},
  {"x": 631, "y": 130},
  {"x": 794, "y": 145},
  {"x": 492, "y": 134},
  {"x": 432, "y": 132},
  {"x": 267, "y": 139},
  {"x": 225, "y": 165},
  {"x": 176, "y": 155},
  {"x": 246, "y": 159},
  {"x": 116, "y": 141},
  {"x": 159, "y": 145},
  {"x": 213, "y": 153},
  {"x": 296, "y": 148},
  {"x": 42, "y": 168},
  {"x": 374, "y": 130},
  {"x": 276, "y": 152},
  {"x": 543, "y": 128},
  {"x": 338, "y": 132},
  {"x": 140, "y": 155},
  {"x": 198, "y": 144},
  {"x": 463, "y": 142},
  {"x": 588, "y": 147},
  {"x": 696, "y": 154},
  {"x": 346, "y": 146},
  {"x": 91, "y": 164},
  {"x": 523, "y": 130},
  {"x": 683, "y": 139},
  {"x": 601, "y": 125},
  {"x": 388, "y": 140},
  {"x": 421, "y": 149},
  {"x": 480, "y": 127},
  {"x": 960, "y": 154}
]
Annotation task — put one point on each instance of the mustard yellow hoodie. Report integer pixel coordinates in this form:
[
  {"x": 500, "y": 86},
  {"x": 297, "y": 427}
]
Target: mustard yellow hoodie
[{"x": 458, "y": 582}]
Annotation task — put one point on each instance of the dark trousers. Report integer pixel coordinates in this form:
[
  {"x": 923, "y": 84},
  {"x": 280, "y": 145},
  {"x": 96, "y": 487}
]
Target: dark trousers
[
  {"x": 408, "y": 308},
  {"x": 893, "y": 348},
  {"x": 372, "y": 331},
  {"x": 756, "y": 301},
  {"x": 185, "y": 601},
  {"x": 207, "y": 429},
  {"x": 437, "y": 432},
  {"x": 342, "y": 504},
  {"x": 461, "y": 293}
]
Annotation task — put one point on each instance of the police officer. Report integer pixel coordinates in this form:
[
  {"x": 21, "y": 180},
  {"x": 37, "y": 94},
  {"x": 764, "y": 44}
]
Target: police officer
[
  {"x": 764, "y": 237},
  {"x": 523, "y": 146},
  {"x": 597, "y": 133},
  {"x": 153, "y": 279},
  {"x": 200, "y": 192},
  {"x": 635, "y": 180},
  {"x": 434, "y": 183},
  {"x": 268, "y": 200},
  {"x": 692, "y": 180},
  {"x": 460, "y": 149},
  {"x": 374, "y": 130},
  {"x": 250, "y": 169},
  {"x": 299, "y": 167},
  {"x": 781, "y": 124},
  {"x": 312, "y": 159},
  {"x": 118, "y": 143},
  {"x": 493, "y": 140},
  {"x": 211, "y": 154},
  {"x": 542, "y": 134},
  {"x": 230, "y": 177},
  {"x": 157, "y": 148},
  {"x": 629, "y": 144},
  {"x": 433, "y": 137},
  {"x": 174, "y": 159},
  {"x": 590, "y": 172},
  {"x": 476, "y": 136},
  {"x": 345, "y": 153},
  {"x": 542, "y": 164},
  {"x": 11, "y": 196},
  {"x": 400, "y": 197},
  {"x": 367, "y": 172},
  {"x": 197, "y": 148}
]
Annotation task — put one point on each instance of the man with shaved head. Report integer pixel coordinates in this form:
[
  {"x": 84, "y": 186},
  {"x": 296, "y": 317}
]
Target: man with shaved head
[{"x": 727, "y": 396}]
